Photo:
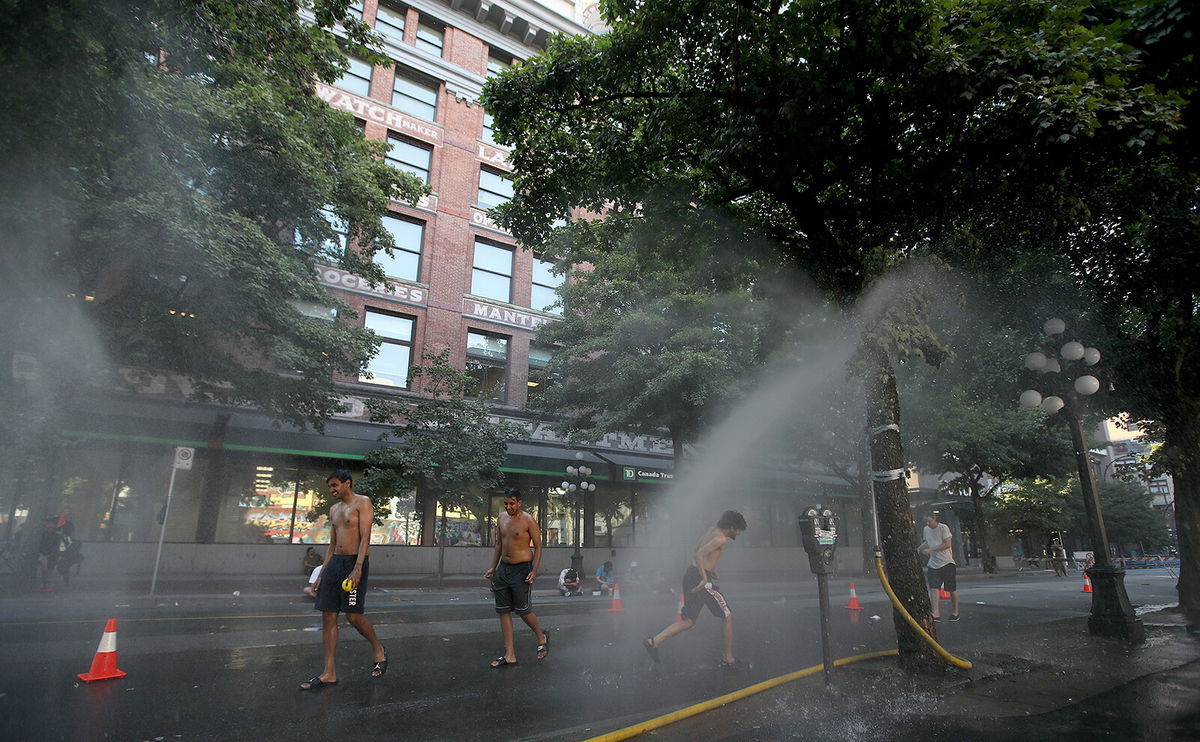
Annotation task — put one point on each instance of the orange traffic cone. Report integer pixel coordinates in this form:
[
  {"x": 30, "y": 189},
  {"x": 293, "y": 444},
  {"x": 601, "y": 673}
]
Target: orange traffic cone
[
  {"x": 942, "y": 594},
  {"x": 616, "y": 604},
  {"x": 1087, "y": 585},
  {"x": 854, "y": 604},
  {"x": 104, "y": 664},
  {"x": 679, "y": 609}
]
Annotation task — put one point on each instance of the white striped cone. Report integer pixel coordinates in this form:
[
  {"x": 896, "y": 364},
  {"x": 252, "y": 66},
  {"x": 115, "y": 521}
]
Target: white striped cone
[{"x": 104, "y": 664}]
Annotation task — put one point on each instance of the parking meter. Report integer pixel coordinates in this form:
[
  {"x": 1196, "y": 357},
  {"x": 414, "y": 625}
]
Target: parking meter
[{"x": 818, "y": 534}]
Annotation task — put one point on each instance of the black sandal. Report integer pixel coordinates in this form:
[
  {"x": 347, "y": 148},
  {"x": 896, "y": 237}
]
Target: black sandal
[
  {"x": 543, "y": 649},
  {"x": 380, "y": 668},
  {"x": 502, "y": 661},
  {"x": 314, "y": 683}
]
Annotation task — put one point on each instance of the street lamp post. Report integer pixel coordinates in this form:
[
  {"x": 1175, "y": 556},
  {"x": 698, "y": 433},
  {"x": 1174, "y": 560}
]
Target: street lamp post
[
  {"x": 1112, "y": 614},
  {"x": 578, "y": 483}
]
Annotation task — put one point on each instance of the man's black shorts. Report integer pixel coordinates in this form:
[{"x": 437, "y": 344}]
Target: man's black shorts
[
  {"x": 331, "y": 598},
  {"x": 705, "y": 596},
  {"x": 511, "y": 589},
  {"x": 944, "y": 575}
]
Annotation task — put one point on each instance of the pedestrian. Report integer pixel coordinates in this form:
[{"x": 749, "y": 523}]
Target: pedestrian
[
  {"x": 604, "y": 576},
  {"x": 1059, "y": 557},
  {"x": 513, "y": 569},
  {"x": 312, "y": 560},
  {"x": 941, "y": 570},
  {"x": 568, "y": 582},
  {"x": 49, "y": 550},
  {"x": 699, "y": 589},
  {"x": 346, "y": 559}
]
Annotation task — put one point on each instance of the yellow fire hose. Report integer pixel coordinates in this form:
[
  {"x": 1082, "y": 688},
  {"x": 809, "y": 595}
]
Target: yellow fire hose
[
  {"x": 684, "y": 713},
  {"x": 883, "y": 580}
]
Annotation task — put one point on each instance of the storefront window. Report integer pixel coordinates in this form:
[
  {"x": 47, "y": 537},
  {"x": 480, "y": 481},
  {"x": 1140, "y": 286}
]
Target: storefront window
[
  {"x": 558, "y": 529},
  {"x": 613, "y": 521}
]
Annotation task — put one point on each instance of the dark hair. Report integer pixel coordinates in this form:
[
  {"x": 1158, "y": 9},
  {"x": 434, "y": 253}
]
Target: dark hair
[
  {"x": 513, "y": 492},
  {"x": 572, "y": 575},
  {"x": 732, "y": 519},
  {"x": 342, "y": 475},
  {"x": 608, "y": 565}
]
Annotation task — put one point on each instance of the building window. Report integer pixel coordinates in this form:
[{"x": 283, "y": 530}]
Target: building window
[
  {"x": 491, "y": 273},
  {"x": 488, "y": 134},
  {"x": 487, "y": 364},
  {"x": 494, "y": 188},
  {"x": 430, "y": 39},
  {"x": 409, "y": 157},
  {"x": 542, "y": 297},
  {"x": 390, "y": 366},
  {"x": 414, "y": 96},
  {"x": 389, "y": 23},
  {"x": 497, "y": 62},
  {"x": 356, "y": 9},
  {"x": 405, "y": 260},
  {"x": 357, "y": 79},
  {"x": 539, "y": 360}
]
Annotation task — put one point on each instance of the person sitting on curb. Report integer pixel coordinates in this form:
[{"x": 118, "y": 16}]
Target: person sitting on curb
[
  {"x": 568, "y": 583},
  {"x": 604, "y": 576}
]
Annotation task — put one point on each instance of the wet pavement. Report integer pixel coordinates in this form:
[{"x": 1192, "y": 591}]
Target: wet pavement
[{"x": 204, "y": 664}]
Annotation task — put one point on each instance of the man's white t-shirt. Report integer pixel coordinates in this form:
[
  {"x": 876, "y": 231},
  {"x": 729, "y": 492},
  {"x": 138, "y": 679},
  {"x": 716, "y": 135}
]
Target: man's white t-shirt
[{"x": 933, "y": 539}]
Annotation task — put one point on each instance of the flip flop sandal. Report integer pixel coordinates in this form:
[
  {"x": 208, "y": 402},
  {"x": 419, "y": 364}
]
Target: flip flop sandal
[
  {"x": 543, "y": 649},
  {"x": 501, "y": 661},
  {"x": 380, "y": 668},
  {"x": 314, "y": 683}
]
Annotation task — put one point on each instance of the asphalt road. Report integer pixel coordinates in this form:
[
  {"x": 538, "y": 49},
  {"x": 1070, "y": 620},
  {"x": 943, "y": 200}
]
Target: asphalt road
[{"x": 224, "y": 668}]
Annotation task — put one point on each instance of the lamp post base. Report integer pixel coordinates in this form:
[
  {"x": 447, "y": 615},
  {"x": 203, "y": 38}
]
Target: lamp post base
[
  {"x": 1112, "y": 613},
  {"x": 577, "y": 564}
]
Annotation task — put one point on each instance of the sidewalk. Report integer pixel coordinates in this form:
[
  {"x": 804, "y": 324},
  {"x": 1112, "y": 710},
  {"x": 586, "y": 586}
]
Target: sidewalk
[{"x": 1062, "y": 685}]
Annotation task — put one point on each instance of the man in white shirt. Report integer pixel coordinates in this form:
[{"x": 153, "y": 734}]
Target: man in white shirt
[
  {"x": 568, "y": 583},
  {"x": 941, "y": 569}
]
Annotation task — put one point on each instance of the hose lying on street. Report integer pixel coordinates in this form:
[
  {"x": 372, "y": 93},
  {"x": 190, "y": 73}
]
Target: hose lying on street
[{"x": 958, "y": 662}]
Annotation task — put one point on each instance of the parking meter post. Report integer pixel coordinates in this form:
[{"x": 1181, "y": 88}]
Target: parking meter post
[{"x": 818, "y": 534}]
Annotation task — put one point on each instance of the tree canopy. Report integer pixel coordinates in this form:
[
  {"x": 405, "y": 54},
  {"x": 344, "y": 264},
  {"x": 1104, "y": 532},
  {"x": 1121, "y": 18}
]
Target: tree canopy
[{"x": 855, "y": 136}]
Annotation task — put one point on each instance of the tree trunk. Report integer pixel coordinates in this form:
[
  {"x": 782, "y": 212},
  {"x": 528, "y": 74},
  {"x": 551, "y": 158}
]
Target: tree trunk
[
  {"x": 981, "y": 530},
  {"x": 895, "y": 519},
  {"x": 1183, "y": 444}
]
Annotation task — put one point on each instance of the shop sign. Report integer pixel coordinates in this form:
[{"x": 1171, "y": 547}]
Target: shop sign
[
  {"x": 379, "y": 113},
  {"x": 340, "y": 279},
  {"x": 634, "y": 474},
  {"x": 481, "y": 218},
  {"x": 494, "y": 156},
  {"x": 503, "y": 315}
]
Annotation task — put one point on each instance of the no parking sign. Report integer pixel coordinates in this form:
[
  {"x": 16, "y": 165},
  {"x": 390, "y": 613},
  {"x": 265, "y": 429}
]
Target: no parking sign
[{"x": 184, "y": 456}]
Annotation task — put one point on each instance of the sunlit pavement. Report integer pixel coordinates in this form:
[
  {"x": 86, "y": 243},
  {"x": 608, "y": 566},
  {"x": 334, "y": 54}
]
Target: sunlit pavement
[{"x": 211, "y": 665}]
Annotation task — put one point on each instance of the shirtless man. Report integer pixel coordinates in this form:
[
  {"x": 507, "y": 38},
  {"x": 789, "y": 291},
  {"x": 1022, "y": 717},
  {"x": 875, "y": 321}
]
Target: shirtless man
[
  {"x": 346, "y": 558},
  {"x": 699, "y": 590},
  {"x": 513, "y": 569}
]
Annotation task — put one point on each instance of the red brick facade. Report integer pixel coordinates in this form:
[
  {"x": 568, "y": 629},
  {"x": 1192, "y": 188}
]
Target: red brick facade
[{"x": 453, "y": 219}]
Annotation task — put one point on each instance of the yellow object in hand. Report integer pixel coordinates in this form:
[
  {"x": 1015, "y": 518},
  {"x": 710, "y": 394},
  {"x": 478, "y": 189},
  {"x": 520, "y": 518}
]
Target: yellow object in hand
[{"x": 347, "y": 584}]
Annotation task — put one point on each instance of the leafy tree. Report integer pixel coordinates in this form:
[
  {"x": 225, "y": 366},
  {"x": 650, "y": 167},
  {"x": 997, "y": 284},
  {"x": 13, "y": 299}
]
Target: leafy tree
[
  {"x": 448, "y": 447},
  {"x": 851, "y": 134},
  {"x": 659, "y": 327},
  {"x": 1120, "y": 227},
  {"x": 163, "y": 202},
  {"x": 1129, "y": 517},
  {"x": 1036, "y": 505}
]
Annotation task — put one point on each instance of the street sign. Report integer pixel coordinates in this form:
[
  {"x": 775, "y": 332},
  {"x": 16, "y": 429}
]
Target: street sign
[{"x": 184, "y": 456}]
